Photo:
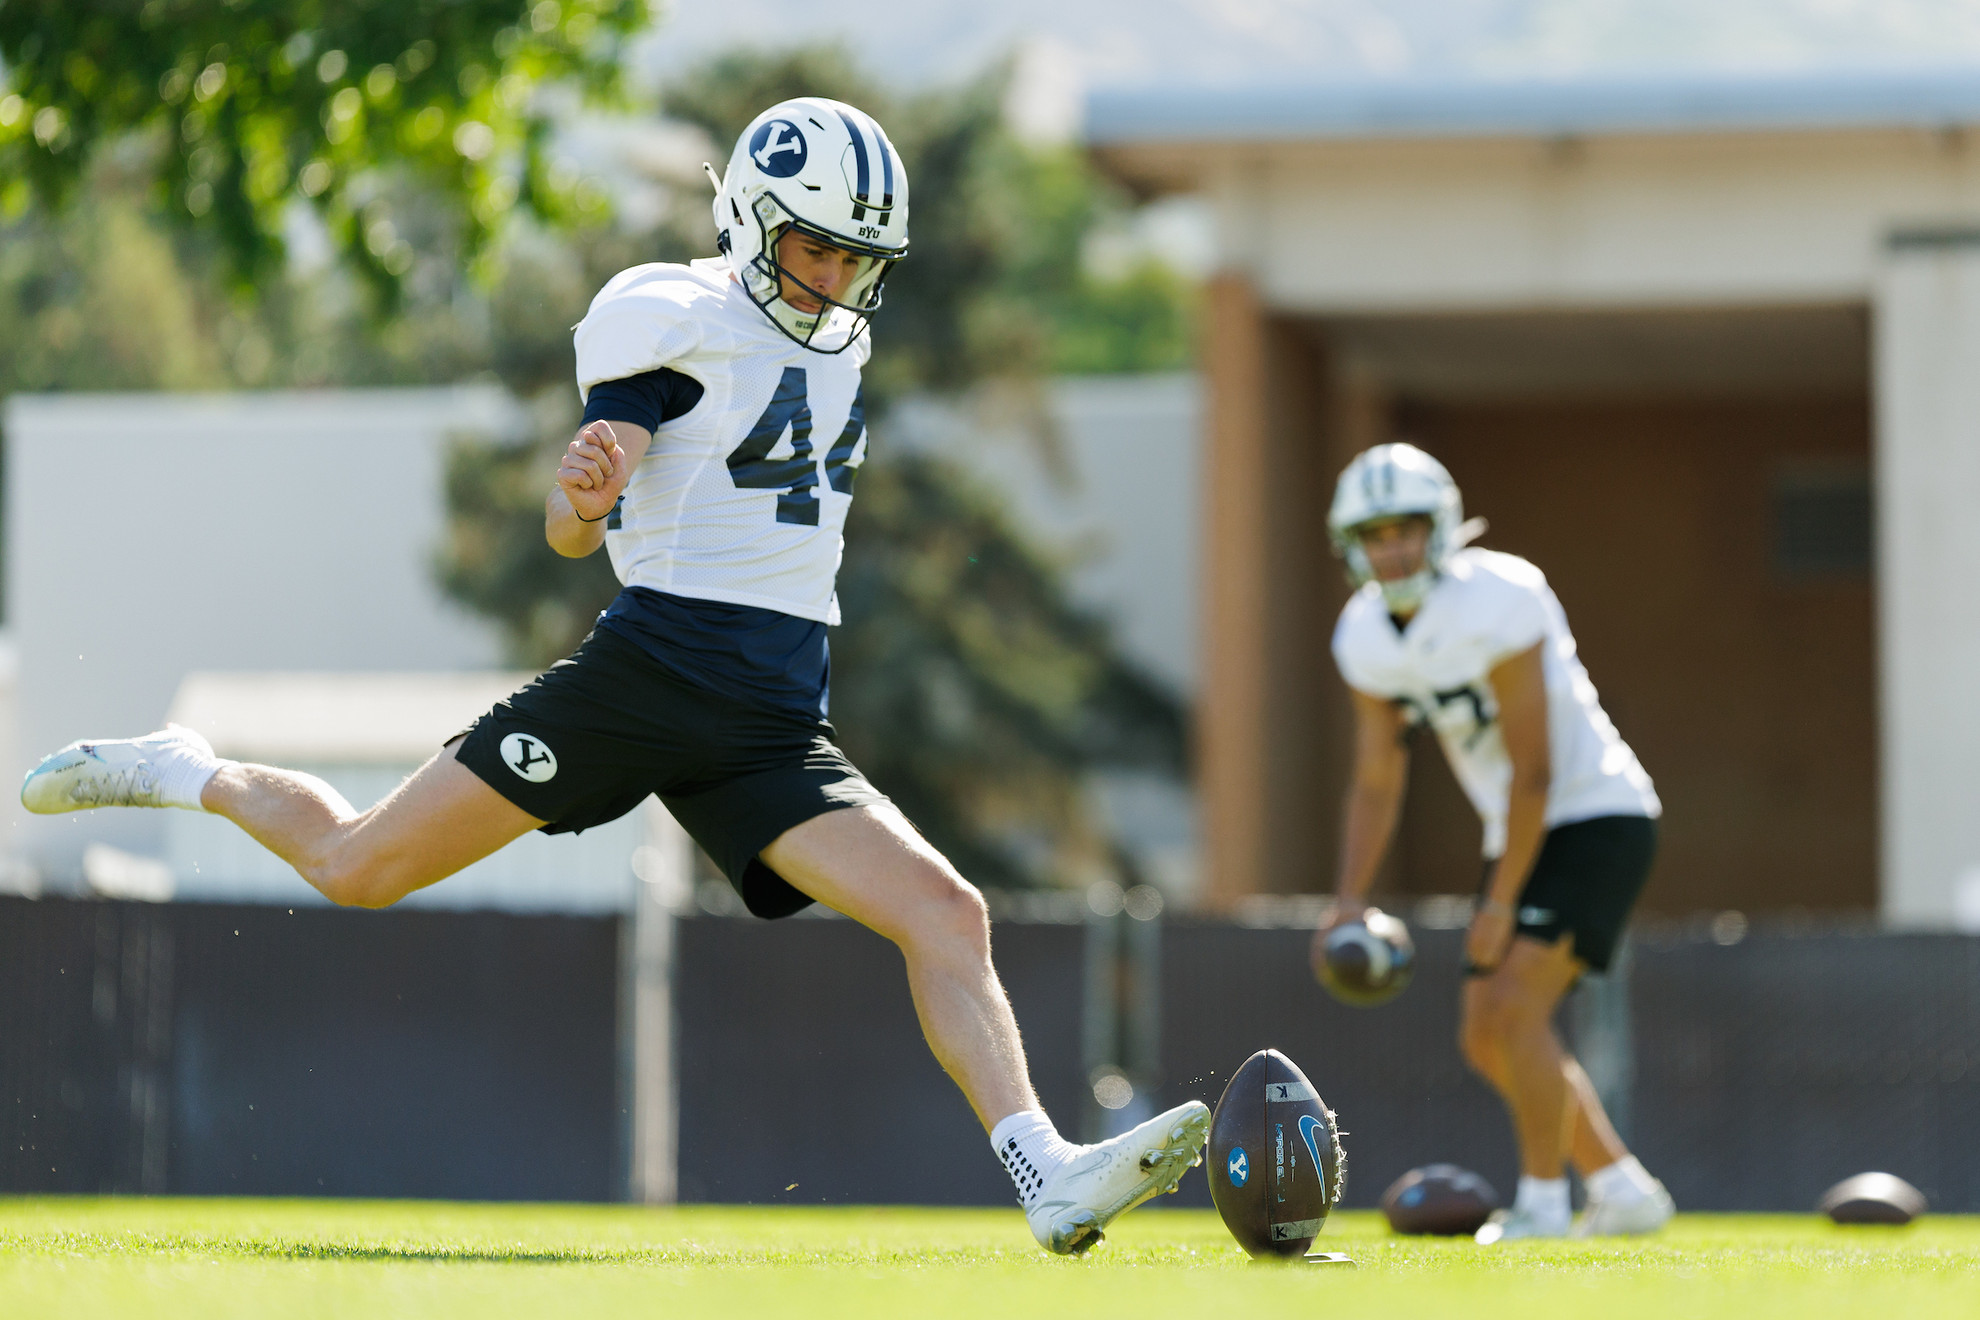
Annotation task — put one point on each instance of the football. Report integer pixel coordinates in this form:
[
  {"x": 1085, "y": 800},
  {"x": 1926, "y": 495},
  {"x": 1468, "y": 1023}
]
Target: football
[
  {"x": 1439, "y": 1199},
  {"x": 1275, "y": 1161},
  {"x": 1873, "y": 1198},
  {"x": 1367, "y": 962}
]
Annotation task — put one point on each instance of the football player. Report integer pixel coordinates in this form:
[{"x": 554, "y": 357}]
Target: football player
[
  {"x": 723, "y": 433},
  {"x": 1474, "y": 644}
]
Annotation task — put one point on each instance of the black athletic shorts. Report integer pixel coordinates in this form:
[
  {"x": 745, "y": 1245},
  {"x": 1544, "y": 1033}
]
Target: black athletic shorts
[
  {"x": 585, "y": 743},
  {"x": 1584, "y": 882}
]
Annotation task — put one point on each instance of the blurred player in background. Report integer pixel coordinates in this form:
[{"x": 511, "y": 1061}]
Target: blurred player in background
[
  {"x": 723, "y": 430},
  {"x": 1474, "y": 644}
]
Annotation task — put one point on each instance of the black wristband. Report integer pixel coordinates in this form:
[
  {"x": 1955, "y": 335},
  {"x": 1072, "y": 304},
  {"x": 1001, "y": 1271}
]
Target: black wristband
[{"x": 600, "y": 518}]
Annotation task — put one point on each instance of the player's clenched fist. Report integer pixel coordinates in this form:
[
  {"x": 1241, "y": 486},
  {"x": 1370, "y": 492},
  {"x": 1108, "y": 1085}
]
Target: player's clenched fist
[{"x": 594, "y": 471}]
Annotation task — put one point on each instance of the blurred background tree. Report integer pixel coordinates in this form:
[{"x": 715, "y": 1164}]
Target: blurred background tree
[{"x": 242, "y": 107}]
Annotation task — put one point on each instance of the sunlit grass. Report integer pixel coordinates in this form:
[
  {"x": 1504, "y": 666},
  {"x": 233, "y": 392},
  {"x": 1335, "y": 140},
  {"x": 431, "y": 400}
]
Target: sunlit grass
[{"x": 88, "y": 1257}]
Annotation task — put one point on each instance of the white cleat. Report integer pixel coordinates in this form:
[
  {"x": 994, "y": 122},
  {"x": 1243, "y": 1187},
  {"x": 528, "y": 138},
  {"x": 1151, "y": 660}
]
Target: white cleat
[
  {"x": 1513, "y": 1225},
  {"x": 115, "y": 772},
  {"x": 1626, "y": 1216},
  {"x": 1078, "y": 1201}
]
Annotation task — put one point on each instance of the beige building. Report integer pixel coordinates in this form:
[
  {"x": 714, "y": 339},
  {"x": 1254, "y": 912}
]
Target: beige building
[{"x": 1707, "y": 351}]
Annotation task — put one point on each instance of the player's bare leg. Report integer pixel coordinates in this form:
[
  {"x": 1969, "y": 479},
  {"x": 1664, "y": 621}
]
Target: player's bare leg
[
  {"x": 1592, "y": 1142},
  {"x": 1511, "y": 1014},
  {"x": 438, "y": 821},
  {"x": 1509, "y": 1038},
  {"x": 872, "y": 865},
  {"x": 1622, "y": 1196},
  {"x": 1592, "y": 1139}
]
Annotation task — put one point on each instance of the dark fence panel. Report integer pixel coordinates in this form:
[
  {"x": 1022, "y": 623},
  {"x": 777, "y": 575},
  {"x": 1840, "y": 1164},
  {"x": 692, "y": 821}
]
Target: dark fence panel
[
  {"x": 801, "y": 1062},
  {"x": 1768, "y": 1070},
  {"x": 203, "y": 1048},
  {"x": 1764, "y": 1071},
  {"x": 153, "y": 1048},
  {"x": 85, "y": 1039}
]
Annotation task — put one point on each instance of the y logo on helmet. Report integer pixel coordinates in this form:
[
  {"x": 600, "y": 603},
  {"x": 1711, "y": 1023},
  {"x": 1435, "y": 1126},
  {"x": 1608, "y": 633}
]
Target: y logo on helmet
[
  {"x": 1239, "y": 1167},
  {"x": 529, "y": 757},
  {"x": 778, "y": 149}
]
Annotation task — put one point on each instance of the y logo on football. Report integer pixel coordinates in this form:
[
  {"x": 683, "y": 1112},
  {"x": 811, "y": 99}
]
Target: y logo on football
[
  {"x": 529, "y": 757},
  {"x": 1239, "y": 1167}
]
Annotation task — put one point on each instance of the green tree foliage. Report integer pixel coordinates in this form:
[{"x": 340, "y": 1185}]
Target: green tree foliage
[
  {"x": 250, "y": 104},
  {"x": 971, "y": 692}
]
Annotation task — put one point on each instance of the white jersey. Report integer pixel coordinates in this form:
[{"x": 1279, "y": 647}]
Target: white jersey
[
  {"x": 1483, "y": 609},
  {"x": 744, "y": 498}
]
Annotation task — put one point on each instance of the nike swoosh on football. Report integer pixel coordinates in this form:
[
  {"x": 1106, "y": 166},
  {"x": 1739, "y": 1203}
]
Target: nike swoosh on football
[{"x": 1308, "y": 1124}]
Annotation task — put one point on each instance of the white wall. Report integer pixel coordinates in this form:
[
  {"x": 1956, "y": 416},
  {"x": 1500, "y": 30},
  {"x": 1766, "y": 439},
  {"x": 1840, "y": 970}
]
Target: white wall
[
  {"x": 1928, "y": 511},
  {"x": 149, "y": 535}
]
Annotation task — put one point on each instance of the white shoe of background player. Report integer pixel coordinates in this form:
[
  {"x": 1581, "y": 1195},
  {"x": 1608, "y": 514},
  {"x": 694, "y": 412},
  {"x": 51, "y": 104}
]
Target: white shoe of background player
[
  {"x": 1082, "y": 1197},
  {"x": 1511, "y": 1225},
  {"x": 118, "y": 772},
  {"x": 1618, "y": 1216}
]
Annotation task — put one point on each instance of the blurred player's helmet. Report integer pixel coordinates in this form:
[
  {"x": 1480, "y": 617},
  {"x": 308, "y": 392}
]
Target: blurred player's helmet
[
  {"x": 825, "y": 169},
  {"x": 1393, "y": 481}
]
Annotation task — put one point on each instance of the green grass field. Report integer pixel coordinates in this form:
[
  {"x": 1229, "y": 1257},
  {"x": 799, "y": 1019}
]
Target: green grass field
[{"x": 80, "y": 1258}]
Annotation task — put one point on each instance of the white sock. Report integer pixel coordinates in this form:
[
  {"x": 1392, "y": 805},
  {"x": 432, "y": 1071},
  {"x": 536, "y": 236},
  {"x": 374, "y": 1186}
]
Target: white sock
[
  {"x": 1032, "y": 1151},
  {"x": 1625, "y": 1180},
  {"x": 1546, "y": 1199},
  {"x": 182, "y": 773}
]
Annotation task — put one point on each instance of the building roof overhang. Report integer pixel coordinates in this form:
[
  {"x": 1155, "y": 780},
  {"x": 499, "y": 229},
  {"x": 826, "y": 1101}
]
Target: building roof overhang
[{"x": 1153, "y": 136}]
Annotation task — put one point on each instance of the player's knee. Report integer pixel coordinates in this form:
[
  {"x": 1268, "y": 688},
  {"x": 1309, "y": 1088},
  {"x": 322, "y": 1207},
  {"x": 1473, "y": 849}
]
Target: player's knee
[
  {"x": 1480, "y": 1043},
  {"x": 1488, "y": 1019},
  {"x": 350, "y": 879},
  {"x": 953, "y": 912}
]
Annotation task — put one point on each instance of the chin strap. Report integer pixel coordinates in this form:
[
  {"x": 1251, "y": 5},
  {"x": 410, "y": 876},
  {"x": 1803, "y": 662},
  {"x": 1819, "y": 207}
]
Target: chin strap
[{"x": 1408, "y": 593}]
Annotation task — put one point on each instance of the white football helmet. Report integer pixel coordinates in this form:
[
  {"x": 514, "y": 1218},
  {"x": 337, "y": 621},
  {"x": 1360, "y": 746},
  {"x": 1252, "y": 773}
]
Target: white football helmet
[
  {"x": 1392, "y": 481},
  {"x": 828, "y": 170}
]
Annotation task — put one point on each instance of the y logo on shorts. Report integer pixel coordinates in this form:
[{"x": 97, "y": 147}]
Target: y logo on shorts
[{"x": 529, "y": 757}]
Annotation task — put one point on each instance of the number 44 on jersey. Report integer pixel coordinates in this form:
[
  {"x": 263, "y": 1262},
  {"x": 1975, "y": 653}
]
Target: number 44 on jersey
[{"x": 751, "y": 467}]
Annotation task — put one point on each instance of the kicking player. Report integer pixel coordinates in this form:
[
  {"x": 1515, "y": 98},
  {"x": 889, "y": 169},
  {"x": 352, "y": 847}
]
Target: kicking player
[
  {"x": 723, "y": 431},
  {"x": 1474, "y": 644}
]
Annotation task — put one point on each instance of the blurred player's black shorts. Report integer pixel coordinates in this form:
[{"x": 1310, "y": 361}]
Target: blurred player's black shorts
[
  {"x": 586, "y": 742},
  {"x": 1585, "y": 881}
]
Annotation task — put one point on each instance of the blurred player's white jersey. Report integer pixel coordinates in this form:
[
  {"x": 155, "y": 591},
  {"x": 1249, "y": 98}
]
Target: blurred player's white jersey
[
  {"x": 1485, "y": 608},
  {"x": 744, "y": 499}
]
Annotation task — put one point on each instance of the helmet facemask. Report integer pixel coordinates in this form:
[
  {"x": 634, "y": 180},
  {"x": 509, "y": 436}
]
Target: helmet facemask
[
  {"x": 1402, "y": 595},
  {"x": 839, "y": 321}
]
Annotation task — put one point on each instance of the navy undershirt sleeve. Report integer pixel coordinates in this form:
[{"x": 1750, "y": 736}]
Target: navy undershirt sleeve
[
  {"x": 646, "y": 400},
  {"x": 756, "y": 656}
]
